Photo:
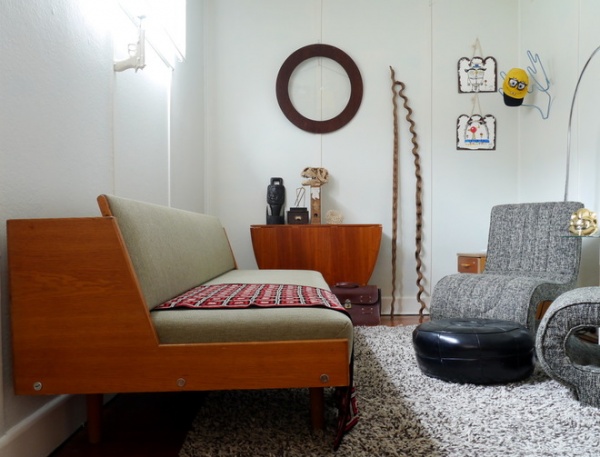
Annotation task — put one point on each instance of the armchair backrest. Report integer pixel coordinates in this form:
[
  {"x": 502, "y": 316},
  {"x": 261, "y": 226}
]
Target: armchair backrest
[{"x": 531, "y": 239}]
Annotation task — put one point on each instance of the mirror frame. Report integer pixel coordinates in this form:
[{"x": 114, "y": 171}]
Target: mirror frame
[{"x": 283, "y": 81}]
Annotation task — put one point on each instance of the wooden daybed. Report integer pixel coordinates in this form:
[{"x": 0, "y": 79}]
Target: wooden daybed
[{"x": 82, "y": 291}]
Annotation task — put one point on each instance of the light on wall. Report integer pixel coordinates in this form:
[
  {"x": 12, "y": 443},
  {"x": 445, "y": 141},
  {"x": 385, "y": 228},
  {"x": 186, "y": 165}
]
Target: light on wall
[
  {"x": 137, "y": 53},
  {"x": 161, "y": 24}
]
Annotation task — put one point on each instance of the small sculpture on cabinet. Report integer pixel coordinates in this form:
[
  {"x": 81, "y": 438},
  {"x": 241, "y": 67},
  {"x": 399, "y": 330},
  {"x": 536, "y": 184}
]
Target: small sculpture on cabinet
[
  {"x": 298, "y": 214},
  {"x": 275, "y": 202},
  {"x": 316, "y": 177}
]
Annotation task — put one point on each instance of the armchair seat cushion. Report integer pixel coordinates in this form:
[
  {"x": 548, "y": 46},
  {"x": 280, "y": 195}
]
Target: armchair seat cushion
[{"x": 492, "y": 296}]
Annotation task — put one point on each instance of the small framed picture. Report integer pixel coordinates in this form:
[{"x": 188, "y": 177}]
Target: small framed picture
[
  {"x": 477, "y": 74},
  {"x": 476, "y": 132}
]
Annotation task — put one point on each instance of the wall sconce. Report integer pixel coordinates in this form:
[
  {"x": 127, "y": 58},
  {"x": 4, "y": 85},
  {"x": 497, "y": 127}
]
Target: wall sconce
[
  {"x": 137, "y": 53},
  {"x": 163, "y": 31}
]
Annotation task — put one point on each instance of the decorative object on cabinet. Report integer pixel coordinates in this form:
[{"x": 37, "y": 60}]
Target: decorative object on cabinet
[
  {"x": 283, "y": 83},
  {"x": 334, "y": 217},
  {"x": 298, "y": 214},
  {"x": 315, "y": 178},
  {"x": 275, "y": 201},
  {"x": 418, "y": 193}
]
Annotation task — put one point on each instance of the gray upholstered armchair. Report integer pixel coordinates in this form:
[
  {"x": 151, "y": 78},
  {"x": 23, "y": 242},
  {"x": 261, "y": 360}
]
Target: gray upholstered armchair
[
  {"x": 529, "y": 260},
  {"x": 566, "y": 355}
]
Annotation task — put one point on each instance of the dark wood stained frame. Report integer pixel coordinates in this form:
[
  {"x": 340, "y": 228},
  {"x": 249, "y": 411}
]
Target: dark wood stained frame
[{"x": 283, "y": 96}]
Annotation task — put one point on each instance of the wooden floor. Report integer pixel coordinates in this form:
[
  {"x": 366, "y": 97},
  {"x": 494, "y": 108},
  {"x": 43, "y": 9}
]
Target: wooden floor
[{"x": 152, "y": 425}]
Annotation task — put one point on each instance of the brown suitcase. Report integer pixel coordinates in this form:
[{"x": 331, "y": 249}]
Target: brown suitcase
[{"x": 362, "y": 302}]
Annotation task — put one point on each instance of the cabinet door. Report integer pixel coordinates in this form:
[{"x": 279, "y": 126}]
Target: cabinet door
[
  {"x": 339, "y": 252},
  {"x": 354, "y": 252}
]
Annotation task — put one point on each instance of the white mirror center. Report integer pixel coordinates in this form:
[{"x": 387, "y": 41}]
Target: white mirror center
[{"x": 319, "y": 88}]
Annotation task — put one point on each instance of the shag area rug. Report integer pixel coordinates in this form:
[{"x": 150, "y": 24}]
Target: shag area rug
[{"x": 403, "y": 413}]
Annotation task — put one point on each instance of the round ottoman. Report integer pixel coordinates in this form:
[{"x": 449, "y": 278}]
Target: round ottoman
[{"x": 476, "y": 351}]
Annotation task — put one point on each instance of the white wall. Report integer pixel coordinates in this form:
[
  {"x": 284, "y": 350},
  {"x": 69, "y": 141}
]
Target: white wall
[
  {"x": 249, "y": 139},
  {"x": 465, "y": 184},
  {"x": 55, "y": 146},
  {"x": 70, "y": 129},
  {"x": 543, "y": 143},
  {"x": 159, "y": 122},
  {"x": 187, "y": 137}
]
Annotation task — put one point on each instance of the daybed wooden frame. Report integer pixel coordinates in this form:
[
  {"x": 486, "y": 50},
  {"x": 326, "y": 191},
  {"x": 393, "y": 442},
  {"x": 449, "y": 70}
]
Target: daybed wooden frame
[{"x": 80, "y": 325}]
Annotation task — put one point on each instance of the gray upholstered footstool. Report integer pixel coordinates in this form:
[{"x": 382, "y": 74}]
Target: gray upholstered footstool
[{"x": 476, "y": 351}]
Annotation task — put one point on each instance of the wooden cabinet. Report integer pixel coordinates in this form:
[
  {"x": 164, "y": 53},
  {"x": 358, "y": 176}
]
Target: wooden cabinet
[
  {"x": 341, "y": 252},
  {"x": 471, "y": 263}
]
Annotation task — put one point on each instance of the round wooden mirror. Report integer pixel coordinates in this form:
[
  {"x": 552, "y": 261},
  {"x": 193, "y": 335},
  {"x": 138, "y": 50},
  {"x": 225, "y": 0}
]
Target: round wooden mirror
[{"x": 283, "y": 90}]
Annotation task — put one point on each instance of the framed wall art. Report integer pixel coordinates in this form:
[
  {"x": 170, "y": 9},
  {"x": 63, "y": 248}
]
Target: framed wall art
[
  {"x": 476, "y": 132},
  {"x": 477, "y": 74}
]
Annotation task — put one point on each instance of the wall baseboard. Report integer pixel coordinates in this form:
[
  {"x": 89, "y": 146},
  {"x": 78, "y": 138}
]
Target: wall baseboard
[
  {"x": 403, "y": 305},
  {"x": 47, "y": 428}
]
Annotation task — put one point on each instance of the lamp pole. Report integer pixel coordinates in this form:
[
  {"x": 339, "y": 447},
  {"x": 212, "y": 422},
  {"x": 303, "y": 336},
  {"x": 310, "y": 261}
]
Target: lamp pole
[{"x": 571, "y": 119}]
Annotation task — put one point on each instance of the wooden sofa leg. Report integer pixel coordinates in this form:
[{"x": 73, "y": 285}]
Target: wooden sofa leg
[
  {"x": 317, "y": 407},
  {"x": 94, "y": 417}
]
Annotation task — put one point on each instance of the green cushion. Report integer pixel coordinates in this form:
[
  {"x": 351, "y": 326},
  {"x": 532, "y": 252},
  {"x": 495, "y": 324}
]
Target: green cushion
[
  {"x": 255, "y": 324},
  {"x": 171, "y": 250},
  {"x": 252, "y": 324}
]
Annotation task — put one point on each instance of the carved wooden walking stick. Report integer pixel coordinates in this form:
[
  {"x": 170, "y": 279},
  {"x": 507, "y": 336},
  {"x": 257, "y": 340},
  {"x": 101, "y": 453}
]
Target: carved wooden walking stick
[
  {"x": 394, "y": 190},
  {"x": 418, "y": 194}
]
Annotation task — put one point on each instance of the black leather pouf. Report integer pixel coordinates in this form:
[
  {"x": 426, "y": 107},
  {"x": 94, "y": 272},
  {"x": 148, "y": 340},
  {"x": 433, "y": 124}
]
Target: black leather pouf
[{"x": 476, "y": 351}]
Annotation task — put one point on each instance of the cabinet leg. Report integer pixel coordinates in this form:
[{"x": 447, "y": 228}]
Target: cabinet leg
[{"x": 94, "y": 417}]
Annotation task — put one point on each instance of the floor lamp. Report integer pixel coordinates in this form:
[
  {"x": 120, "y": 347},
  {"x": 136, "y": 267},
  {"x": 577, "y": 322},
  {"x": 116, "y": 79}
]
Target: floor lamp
[{"x": 571, "y": 118}]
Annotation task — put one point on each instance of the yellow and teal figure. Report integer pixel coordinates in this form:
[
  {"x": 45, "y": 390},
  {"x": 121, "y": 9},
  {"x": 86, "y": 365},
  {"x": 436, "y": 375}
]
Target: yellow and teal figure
[{"x": 515, "y": 85}]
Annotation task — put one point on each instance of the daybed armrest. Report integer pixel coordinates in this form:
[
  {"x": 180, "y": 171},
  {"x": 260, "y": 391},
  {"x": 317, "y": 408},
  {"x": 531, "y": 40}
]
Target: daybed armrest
[{"x": 80, "y": 325}]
